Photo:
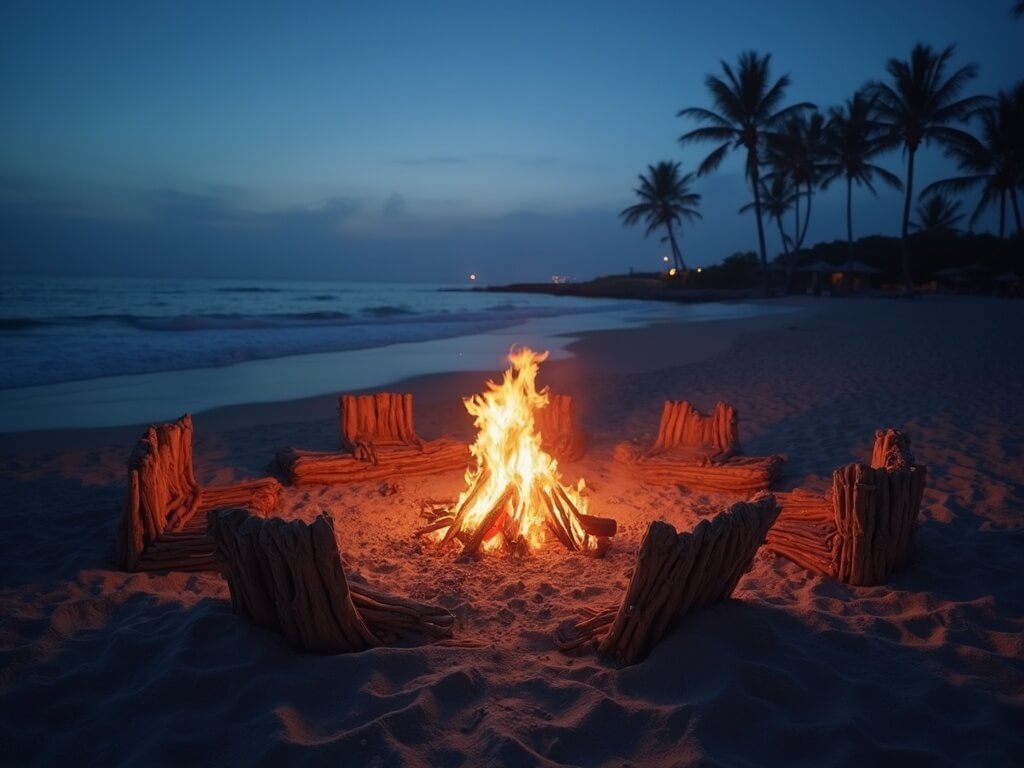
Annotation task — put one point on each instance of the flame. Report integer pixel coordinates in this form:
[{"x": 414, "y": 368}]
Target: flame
[{"x": 511, "y": 467}]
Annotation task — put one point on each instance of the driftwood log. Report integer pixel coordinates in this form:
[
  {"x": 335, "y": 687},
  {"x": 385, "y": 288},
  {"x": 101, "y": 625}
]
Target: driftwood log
[
  {"x": 675, "y": 574},
  {"x": 288, "y": 576},
  {"x": 863, "y": 529},
  {"x": 701, "y": 452},
  {"x": 163, "y": 524},
  {"x": 560, "y": 436},
  {"x": 378, "y": 441},
  {"x": 577, "y": 531}
]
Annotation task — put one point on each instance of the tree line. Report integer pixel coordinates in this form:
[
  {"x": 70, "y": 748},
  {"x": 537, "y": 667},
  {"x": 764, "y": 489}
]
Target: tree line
[{"x": 793, "y": 151}]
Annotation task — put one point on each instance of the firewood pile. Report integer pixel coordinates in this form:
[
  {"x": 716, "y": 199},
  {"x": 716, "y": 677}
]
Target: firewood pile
[
  {"x": 701, "y": 452},
  {"x": 288, "y": 576},
  {"x": 378, "y": 441},
  {"x": 676, "y": 574},
  {"x": 163, "y": 525},
  {"x": 560, "y": 435},
  {"x": 577, "y": 531},
  {"x": 863, "y": 529}
]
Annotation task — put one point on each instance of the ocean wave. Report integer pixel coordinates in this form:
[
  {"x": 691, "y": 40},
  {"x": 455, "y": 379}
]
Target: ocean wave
[
  {"x": 216, "y": 322},
  {"x": 22, "y": 323},
  {"x": 248, "y": 289},
  {"x": 48, "y": 359},
  {"x": 387, "y": 310}
]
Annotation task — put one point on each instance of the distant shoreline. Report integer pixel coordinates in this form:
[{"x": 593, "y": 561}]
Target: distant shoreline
[{"x": 636, "y": 287}]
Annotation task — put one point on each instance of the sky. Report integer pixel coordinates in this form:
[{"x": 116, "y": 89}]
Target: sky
[{"x": 413, "y": 140}]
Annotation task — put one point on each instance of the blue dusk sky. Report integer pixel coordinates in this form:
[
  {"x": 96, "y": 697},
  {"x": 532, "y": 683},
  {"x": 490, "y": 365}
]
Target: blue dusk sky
[{"x": 416, "y": 140}]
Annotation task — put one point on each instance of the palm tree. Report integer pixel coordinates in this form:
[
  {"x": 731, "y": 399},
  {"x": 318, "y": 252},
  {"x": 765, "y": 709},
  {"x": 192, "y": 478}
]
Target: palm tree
[
  {"x": 796, "y": 152},
  {"x": 777, "y": 197},
  {"x": 937, "y": 213},
  {"x": 747, "y": 105},
  {"x": 666, "y": 200},
  {"x": 994, "y": 160},
  {"x": 852, "y": 140},
  {"x": 916, "y": 107}
]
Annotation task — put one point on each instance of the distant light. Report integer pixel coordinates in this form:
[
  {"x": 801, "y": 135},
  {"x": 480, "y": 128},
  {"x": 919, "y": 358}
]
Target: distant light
[
  {"x": 699, "y": 269},
  {"x": 672, "y": 272},
  {"x": 665, "y": 259},
  {"x": 473, "y": 276}
]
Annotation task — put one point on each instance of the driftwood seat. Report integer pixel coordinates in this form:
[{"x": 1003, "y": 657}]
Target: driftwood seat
[
  {"x": 377, "y": 442},
  {"x": 701, "y": 452},
  {"x": 560, "y": 436},
  {"x": 288, "y": 576},
  {"x": 163, "y": 526},
  {"x": 675, "y": 574},
  {"x": 863, "y": 528}
]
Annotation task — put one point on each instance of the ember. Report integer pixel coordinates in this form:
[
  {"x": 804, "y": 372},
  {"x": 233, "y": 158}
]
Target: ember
[{"x": 514, "y": 498}]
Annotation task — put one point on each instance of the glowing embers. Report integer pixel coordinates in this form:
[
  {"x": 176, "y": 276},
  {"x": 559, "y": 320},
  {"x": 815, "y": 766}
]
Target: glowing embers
[{"x": 514, "y": 499}]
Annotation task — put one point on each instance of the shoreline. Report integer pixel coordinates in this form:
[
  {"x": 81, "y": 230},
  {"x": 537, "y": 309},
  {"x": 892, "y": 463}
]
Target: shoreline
[{"x": 126, "y": 400}]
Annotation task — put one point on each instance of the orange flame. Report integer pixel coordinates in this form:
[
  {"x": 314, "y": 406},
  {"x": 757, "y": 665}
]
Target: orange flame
[{"x": 511, "y": 467}]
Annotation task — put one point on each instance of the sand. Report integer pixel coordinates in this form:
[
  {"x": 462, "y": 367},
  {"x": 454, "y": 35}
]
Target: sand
[{"x": 101, "y": 667}]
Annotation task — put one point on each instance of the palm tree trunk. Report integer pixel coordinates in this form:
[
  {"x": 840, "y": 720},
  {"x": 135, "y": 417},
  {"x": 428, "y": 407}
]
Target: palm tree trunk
[
  {"x": 782, "y": 237},
  {"x": 1002, "y": 214},
  {"x": 756, "y": 181},
  {"x": 908, "y": 286},
  {"x": 807, "y": 218},
  {"x": 790, "y": 263},
  {"x": 796, "y": 215},
  {"x": 677, "y": 255},
  {"x": 849, "y": 234},
  {"x": 1016, "y": 207}
]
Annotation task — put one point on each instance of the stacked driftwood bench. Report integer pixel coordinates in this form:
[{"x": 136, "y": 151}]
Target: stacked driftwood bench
[
  {"x": 863, "y": 528},
  {"x": 675, "y": 574},
  {"x": 163, "y": 525},
  {"x": 700, "y": 452},
  {"x": 560, "y": 434},
  {"x": 288, "y": 576},
  {"x": 378, "y": 442}
]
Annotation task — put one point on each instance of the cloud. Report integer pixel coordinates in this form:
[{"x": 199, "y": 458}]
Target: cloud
[
  {"x": 395, "y": 206},
  {"x": 201, "y": 233},
  {"x": 476, "y": 158},
  {"x": 433, "y": 160}
]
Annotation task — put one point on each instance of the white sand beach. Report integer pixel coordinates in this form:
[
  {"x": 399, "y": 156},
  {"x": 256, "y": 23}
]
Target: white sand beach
[{"x": 102, "y": 667}]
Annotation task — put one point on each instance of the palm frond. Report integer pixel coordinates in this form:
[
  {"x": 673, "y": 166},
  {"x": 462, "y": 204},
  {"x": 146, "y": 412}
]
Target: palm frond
[{"x": 713, "y": 160}]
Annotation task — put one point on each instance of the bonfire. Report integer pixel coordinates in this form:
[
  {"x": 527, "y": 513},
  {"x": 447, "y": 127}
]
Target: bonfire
[{"x": 514, "y": 498}]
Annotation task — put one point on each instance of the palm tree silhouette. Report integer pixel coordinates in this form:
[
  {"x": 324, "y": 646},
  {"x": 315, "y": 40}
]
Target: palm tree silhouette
[
  {"x": 994, "y": 161},
  {"x": 777, "y": 197},
  {"x": 747, "y": 105},
  {"x": 937, "y": 213},
  {"x": 666, "y": 200},
  {"x": 852, "y": 140},
  {"x": 916, "y": 107},
  {"x": 795, "y": 152}
]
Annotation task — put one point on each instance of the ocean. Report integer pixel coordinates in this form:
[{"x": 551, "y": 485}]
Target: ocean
[{"x": 88, "y": 351}]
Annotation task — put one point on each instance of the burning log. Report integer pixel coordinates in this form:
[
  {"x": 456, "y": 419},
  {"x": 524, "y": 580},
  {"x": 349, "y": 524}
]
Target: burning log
[
  {"x": 289, "y": 577},
  {"x": 377, "y": 442},
  {"x": 163, "y": 525},
  {"x": 701, "y": 452},
  {"x": 863, "y": 529},
  {"x": 515, "y": 498},
  {"x": 674, "y": 575}
]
